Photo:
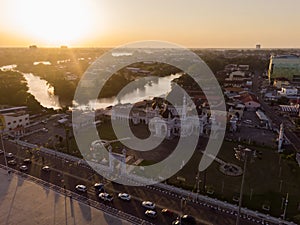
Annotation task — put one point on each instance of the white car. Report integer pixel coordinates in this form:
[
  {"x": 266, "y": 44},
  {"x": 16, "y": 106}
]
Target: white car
[
  {"x": 23, "y": 168},
  {"x": 151, "y": 213},
  {"x": 1, "y": 152},
  {"x": 46, "y": 168},
  {"x": 9, "y": 155},
  {"x": 106, "y": 197},
  {"x": 124, "y": 196},
  {"x": 81, "y": 188},
  {"x": 12, "y": 162},
  {"x": 148, "y": 205}
]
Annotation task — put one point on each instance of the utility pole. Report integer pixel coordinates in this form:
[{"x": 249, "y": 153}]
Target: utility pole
[
  {"x": 4, "y": 152},
  {"x": 285, "y": 205},
  {"x": 242, "y": 154}
]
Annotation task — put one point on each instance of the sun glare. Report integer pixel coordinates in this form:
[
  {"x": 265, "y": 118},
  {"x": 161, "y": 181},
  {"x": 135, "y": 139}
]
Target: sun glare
[{"x": 54, "y": 22}]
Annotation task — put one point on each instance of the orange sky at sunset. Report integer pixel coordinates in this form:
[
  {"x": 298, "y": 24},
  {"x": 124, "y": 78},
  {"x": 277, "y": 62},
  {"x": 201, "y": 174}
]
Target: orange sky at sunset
[{"x": 107, "y": 23}]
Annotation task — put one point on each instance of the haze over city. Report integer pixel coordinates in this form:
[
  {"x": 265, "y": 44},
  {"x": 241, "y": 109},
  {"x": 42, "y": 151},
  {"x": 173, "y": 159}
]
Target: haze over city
[{"x": 193, "y": 23}]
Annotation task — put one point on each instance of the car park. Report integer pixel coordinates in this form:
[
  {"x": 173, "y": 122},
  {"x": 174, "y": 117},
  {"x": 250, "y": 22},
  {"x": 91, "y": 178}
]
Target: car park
[
  {"x": 81, "y": 188},
  {"x": 151, "y": 213},
  {"x": 23, "y": 168},
  {"x": 148, "y": 205},
  {"x": 106, "y": 197},
  {"x": 124, "y": 196}
]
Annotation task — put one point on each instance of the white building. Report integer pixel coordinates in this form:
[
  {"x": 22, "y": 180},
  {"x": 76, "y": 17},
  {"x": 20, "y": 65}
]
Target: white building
[
  {"x": 166, "y": 123},
  {"x": 14, "y": 120}
]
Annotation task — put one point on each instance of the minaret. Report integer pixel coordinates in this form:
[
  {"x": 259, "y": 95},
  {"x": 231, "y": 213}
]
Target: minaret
[
  {"x": 280, "y": 138},
  {"x": 184, "y": 108},
  {"x": 123, "y": 163}
]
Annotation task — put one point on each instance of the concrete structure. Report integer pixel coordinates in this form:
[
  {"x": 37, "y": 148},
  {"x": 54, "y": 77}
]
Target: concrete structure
[
  {"x": 14, "y": 120},
  {"x": 258, "y": 46},
  {"x": 287, "y": 66}
]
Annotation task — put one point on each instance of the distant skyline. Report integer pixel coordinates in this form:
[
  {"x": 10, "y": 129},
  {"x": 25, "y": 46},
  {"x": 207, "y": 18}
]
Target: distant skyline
[{"x": 109, "y": 23}]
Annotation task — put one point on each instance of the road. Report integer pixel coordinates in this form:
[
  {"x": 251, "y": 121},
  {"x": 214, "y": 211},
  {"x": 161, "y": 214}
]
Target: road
[
  {"x": 64, "y": 173},
  {"x": 276, "y": 119}
]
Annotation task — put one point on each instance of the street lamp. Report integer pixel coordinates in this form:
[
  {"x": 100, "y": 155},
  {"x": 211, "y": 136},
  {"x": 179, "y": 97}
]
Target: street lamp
[
  {"x": 4, "y": 152},
  {"x": 242, "y": 154}
]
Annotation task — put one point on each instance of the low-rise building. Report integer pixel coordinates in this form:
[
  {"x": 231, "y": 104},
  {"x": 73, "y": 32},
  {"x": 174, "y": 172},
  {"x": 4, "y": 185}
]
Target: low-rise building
[
  {"x": 250, "y": 101},
  {"x": 288, "y": 91},
  {"x": 14, "y": 120}
]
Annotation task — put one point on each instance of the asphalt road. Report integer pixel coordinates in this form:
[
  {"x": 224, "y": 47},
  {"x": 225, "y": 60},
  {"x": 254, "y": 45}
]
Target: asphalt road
[{"x": 64, "y": 173}]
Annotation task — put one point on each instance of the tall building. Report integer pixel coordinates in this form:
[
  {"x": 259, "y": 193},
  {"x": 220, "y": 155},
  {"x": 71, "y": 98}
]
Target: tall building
[{"x": 284, "y": 66}]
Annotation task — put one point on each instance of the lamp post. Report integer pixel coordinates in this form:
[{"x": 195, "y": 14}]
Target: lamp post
[
  {"x": 242, "y": 154},
  {"x": 4, "y": 152}
]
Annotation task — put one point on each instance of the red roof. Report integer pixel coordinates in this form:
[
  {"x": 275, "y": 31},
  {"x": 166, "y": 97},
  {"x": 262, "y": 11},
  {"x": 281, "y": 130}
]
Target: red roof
[{"x": 248, "y": 98}]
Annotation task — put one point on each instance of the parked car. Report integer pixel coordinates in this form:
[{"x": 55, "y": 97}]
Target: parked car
[
  {"x": 98, "y": 186},
  {"x": 23, "y": 168},
  {"x": 148, "y": 205},
  {"x": 46, "y": 168},
  {"x": 45, "y": 130},
  {"x": 9, "y": 155},
  {"x": 28, "y": 161},
  {"x": 1, "y": 152},
  {"x": 106, "y": 197},
  {"x": 81, "y": 188},
  {"x": 124, "y": 196},
  {"x": 167, "y": 212},
  {"x": 188, "y": 220},
  {"x": 151, "y": 213},
  {"x": 12, "y": 162}
]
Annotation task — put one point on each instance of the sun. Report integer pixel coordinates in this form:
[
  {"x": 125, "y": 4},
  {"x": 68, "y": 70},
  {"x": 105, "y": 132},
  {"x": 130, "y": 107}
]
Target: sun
[{"x": 54, "y": 22}]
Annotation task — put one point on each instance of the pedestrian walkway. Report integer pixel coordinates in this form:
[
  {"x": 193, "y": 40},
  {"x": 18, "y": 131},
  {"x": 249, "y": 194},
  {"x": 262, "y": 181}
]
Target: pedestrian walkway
[{"x": 24, "y": 202}]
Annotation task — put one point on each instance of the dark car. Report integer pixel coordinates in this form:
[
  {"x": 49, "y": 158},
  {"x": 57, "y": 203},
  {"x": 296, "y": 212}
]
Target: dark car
[
  {"x": 188, "y": 220},
  {"x": 167, "y": 212}
]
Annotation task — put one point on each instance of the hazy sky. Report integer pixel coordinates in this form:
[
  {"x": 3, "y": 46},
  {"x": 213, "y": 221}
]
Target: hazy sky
[{"x": 191, "y": 23}]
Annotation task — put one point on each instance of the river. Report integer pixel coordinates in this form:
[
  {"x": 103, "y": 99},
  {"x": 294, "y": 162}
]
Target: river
[{"x": 145, "y": 88}]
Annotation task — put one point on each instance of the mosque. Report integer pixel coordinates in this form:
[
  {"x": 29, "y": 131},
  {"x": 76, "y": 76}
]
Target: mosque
[{"x": 163, "y": 119}]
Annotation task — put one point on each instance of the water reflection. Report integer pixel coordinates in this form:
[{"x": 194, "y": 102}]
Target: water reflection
[
  {"x": 42, "y": 62},
  {"x": 8, "y": 67},
  {"x": 139, "y": 90},
  {"x": 42, "y": 91}
]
